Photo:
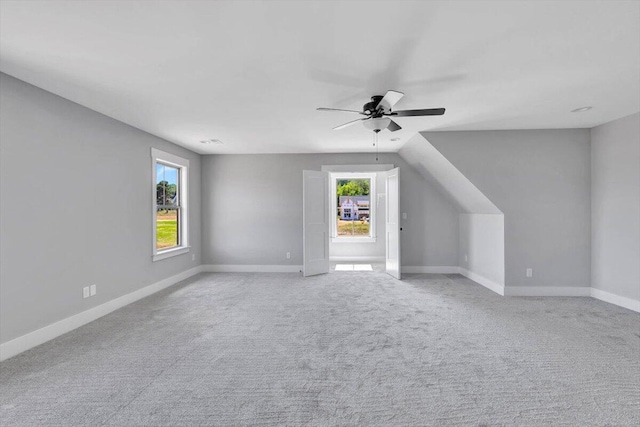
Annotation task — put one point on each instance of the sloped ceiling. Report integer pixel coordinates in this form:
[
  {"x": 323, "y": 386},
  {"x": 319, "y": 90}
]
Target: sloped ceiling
[{"x": 432, "y": 165}]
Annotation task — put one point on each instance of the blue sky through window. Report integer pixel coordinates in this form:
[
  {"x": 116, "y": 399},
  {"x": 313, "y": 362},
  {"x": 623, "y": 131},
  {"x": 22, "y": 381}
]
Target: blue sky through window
[{"x": 166, "y": 173}]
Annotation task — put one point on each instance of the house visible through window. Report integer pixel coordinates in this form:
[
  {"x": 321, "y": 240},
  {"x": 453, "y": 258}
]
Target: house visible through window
[
  {"x": 170, "y": 205},
  {"x": 353, "y": 206}
]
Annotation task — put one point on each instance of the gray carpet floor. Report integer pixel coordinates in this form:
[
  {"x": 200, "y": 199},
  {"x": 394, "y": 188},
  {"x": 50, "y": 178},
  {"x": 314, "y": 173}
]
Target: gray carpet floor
[{"x": 352, "y": 348}]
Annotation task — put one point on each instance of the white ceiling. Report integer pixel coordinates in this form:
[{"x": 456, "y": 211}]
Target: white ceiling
[{"x": 252, "y": 74}]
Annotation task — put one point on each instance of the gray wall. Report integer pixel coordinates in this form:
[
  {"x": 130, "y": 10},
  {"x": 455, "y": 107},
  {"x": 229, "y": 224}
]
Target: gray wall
[
  {"x": 540, "y": 180},
  {"x": 75, "y": 208},
  {"x": 615, "y": 207},
  {"x": 482, "y": 243},
  {"x": 252, "y": 210}
]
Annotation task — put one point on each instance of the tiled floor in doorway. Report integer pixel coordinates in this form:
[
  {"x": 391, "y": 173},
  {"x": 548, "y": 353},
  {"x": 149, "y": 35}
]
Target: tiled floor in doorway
[{"x": 353, "y": 267}]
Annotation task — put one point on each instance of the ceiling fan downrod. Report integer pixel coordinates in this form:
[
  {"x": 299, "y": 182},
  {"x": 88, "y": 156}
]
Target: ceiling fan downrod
[{"x": 375, "y": 141}]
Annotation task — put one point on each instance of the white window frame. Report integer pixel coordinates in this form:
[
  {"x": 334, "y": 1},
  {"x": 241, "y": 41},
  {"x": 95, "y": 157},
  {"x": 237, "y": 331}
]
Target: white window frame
[
  {"x": 371, "y": 238},
  {"x": 158, "y": 156}
]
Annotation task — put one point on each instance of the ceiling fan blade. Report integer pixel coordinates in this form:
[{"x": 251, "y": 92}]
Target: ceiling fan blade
[
  {"x": 413, "y": 113},
  {"x": 339, "y": 109},
  {"x": 349, "y": 123},
  {"x": 389, "y": 100},
  {"x": 393, "y": 126}
]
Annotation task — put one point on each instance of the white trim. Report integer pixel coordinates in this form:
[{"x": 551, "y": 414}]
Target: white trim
[
  {"x": 242, "y": 268},
  {"x": 169, "y": 158},
  {"x": 357, "y": 259},
  {"x": 353, "y": 239},
  {"x": 547, "y": 291},
  {"x": 618, "y": 300},
  {"x": 552, "y": 291},
  {"x": 171, "y": 252},
  {"x": 429, "y": 269},
  {"x": 54, "y": 330},
  {"x": 489, "y": 284},
  {"x": 356, "y": 168}
]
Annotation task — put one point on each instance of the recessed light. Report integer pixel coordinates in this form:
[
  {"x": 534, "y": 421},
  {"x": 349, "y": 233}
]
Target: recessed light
[
  {"x": 211, "y": 141},
  {"x": 581, "y": 109}
]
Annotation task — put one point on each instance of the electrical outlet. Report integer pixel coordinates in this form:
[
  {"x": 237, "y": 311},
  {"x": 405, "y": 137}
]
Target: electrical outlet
[
  {"x": 93, "y": 290},
  {"x": 529, "y": 272},
  {"x": 193, "y": 257},
  {"x": 85, "y": 292},
  {"x": 288, "y": 255}
]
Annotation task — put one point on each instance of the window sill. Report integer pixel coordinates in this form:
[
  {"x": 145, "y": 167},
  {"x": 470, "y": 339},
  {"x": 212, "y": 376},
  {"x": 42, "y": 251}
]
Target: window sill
[
  {"x": 353, "y": 240},
  {"x": 171, "y": 253}
]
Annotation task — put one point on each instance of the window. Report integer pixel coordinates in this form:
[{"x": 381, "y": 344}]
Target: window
[
  {"x": 169, "y": 212},
  {"x": 354, "y": 214}
]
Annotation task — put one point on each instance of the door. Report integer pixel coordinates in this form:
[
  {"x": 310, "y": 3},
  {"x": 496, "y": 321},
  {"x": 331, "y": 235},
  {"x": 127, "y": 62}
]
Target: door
[
  {"x": 315, "y": 219},
  {"x": 392, "y": 226}
]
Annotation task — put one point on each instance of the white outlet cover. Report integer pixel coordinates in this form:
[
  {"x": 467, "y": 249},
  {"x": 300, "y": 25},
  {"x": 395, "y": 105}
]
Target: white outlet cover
[
  {"x": 93, "y": 290},
  {"x": 529, "y": 272},
  {"x": 288, "y": 255}
]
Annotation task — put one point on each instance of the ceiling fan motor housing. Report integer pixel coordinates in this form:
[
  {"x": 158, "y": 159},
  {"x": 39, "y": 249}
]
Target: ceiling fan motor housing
[{"x": 370, "y": 107}]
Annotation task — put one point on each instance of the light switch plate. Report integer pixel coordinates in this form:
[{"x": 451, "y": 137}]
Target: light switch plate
[
  {"x": 404, "y": 215},
  {"x": 85, "y": 292}
]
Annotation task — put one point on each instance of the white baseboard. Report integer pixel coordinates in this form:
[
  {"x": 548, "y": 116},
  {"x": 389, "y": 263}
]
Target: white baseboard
[
  {"x": 569, "y": 291},
  {"x": 625, "y": 302},
  {"x": 357, "y": 259},
  {"x": 241, "y": 268},
  {"x": 489, "y": 284},
  {"x": 429, "y": 269},
  {"x": 547, "y": 291},
  {"x": 42, "y": 335}
]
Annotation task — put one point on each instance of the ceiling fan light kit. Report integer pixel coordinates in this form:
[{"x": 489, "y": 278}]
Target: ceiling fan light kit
[
  {"x": 377, "y": 124},
  {"x": 379, "y": 110}
]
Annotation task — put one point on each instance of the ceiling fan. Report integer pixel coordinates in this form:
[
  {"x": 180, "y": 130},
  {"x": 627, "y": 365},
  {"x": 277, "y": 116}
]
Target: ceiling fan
[{"x": 379, "y": 110}]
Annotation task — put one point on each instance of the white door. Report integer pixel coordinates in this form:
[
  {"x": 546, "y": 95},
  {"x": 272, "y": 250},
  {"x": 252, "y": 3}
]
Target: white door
[
  {"x": 392, "y": 228},
  {"x": 315, "y": 218}
]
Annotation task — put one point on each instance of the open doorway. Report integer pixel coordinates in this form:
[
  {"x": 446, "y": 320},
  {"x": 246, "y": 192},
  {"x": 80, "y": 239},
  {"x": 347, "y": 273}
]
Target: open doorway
[{"x": 351, "y": 218}]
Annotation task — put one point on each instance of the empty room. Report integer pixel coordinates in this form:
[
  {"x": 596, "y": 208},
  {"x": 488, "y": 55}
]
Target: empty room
[{"x": 323, "y": 213}]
